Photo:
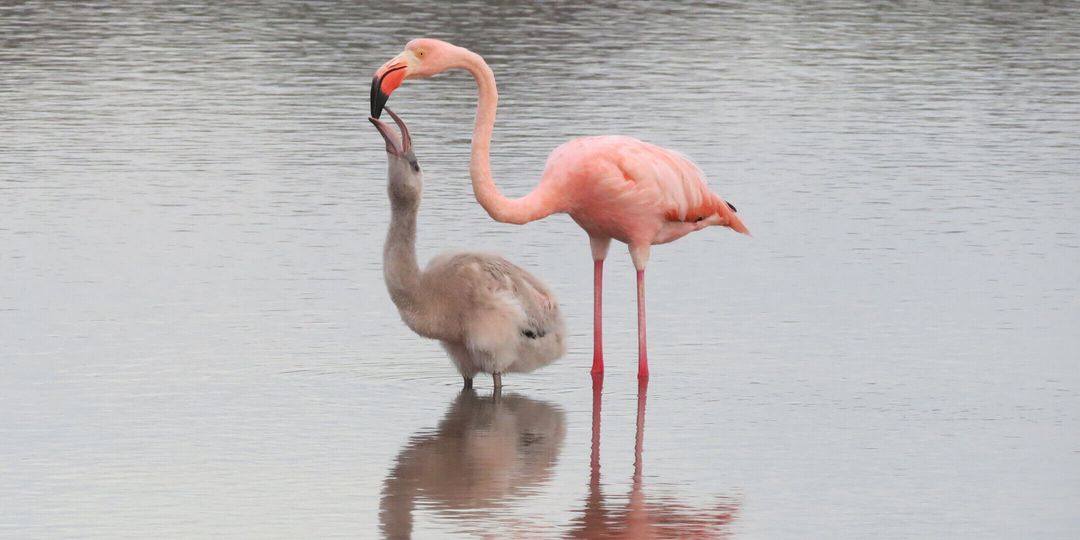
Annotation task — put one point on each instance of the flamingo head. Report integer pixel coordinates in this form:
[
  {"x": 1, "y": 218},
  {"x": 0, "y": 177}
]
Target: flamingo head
[
  {"x": 421, "y": 58},
  {"x": 405, "y": 182}
]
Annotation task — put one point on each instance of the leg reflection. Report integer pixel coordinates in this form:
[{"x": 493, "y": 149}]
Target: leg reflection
[{"x": 636, "y": 514}]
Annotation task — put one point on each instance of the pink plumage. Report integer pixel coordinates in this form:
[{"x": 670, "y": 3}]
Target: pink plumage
[
  {"x": 612, "y": 186},
  {"x": 633, "y": 191}
]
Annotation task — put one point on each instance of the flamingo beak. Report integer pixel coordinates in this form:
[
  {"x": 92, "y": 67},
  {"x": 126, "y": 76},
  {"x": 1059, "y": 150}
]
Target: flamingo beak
[
  {"x": 393, "y": 146},
  {"x": 406, "y": 139},
  {"x": 387, "y": 79}
]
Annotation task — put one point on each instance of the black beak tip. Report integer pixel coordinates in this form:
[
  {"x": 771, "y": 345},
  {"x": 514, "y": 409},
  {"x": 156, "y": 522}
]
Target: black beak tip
[
  {"x": 377, "y": 106},
  {"x": 378, "y": 99}
]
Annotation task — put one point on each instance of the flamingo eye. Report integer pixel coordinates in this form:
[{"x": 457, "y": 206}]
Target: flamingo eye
[{"x": 420, "y": 53}]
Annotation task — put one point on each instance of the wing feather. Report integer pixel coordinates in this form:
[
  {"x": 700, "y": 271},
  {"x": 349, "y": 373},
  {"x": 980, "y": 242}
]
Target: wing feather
[
  {"x": 497, "y": 279},
  {"x": 679, "y": 186}
]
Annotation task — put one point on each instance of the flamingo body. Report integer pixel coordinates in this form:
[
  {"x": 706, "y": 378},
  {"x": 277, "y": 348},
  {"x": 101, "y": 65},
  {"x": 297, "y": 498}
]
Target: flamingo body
[{"x": 638, "y": 193}]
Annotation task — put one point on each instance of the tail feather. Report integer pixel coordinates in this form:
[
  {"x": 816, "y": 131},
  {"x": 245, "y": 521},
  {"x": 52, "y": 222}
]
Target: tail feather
[
  {"x": 727, "y": 214},
  {"x": 711, "y": 205}
]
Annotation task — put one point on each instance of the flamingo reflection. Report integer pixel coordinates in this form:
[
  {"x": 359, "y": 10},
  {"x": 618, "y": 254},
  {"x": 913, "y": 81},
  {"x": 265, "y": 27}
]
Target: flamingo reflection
[
  {"x": 484, "y": 452},
  {"x": 641, "y": 516}
]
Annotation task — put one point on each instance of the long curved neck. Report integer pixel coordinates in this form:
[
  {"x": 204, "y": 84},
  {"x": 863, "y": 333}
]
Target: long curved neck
[
  {"x": 400, "y": 270},
  {"x": 529, "y": 208}
]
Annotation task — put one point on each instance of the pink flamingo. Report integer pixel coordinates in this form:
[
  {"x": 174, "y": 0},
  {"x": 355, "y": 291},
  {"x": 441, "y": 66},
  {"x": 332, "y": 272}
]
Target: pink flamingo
[{"x": 612, "y": 186}]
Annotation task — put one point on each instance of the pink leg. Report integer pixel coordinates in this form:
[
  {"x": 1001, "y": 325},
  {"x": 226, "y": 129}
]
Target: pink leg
[
  {"x": 643, "y": 354},
  {"x": 598, "y": 319}
]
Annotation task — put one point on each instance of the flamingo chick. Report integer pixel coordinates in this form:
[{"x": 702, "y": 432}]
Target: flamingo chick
[
  {"x": 612, "y": 186},
  {"x": 490, "y": 315}
]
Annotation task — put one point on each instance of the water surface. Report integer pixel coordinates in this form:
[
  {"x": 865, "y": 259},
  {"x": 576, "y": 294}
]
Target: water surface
[{"x": 195, "y": 339}]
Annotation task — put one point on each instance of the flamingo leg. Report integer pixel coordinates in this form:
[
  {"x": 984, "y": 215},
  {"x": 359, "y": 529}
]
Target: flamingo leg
[
  {"x": 643, "y": 353},
  {"x": 468, "y": 383},
  {"x": 497, "y": 379},
  {"x": 598, "y": 318}
]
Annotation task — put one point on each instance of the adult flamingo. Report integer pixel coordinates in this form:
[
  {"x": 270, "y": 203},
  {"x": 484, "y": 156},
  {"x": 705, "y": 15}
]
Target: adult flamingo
[{"x": 612, "y": 186}]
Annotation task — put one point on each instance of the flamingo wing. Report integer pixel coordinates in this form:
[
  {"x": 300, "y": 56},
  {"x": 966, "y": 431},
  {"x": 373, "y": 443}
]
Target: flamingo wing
[
  {"x": 676, "y": 185},
  {"x": 493, "y": 281},
  {"x": 536, "y": 301}
]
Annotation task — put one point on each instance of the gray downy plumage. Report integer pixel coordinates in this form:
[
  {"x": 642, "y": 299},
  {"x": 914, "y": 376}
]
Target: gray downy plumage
[{"x": 490, "y": 315}]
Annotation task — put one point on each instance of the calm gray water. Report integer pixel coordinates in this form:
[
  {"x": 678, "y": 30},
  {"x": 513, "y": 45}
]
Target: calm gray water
[{"x": 195, "y": 340}]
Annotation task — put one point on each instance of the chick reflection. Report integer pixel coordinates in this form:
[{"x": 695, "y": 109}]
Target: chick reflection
[
  {"x": 638, "y": 515},
  {"x": 485, "y": 451}
]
